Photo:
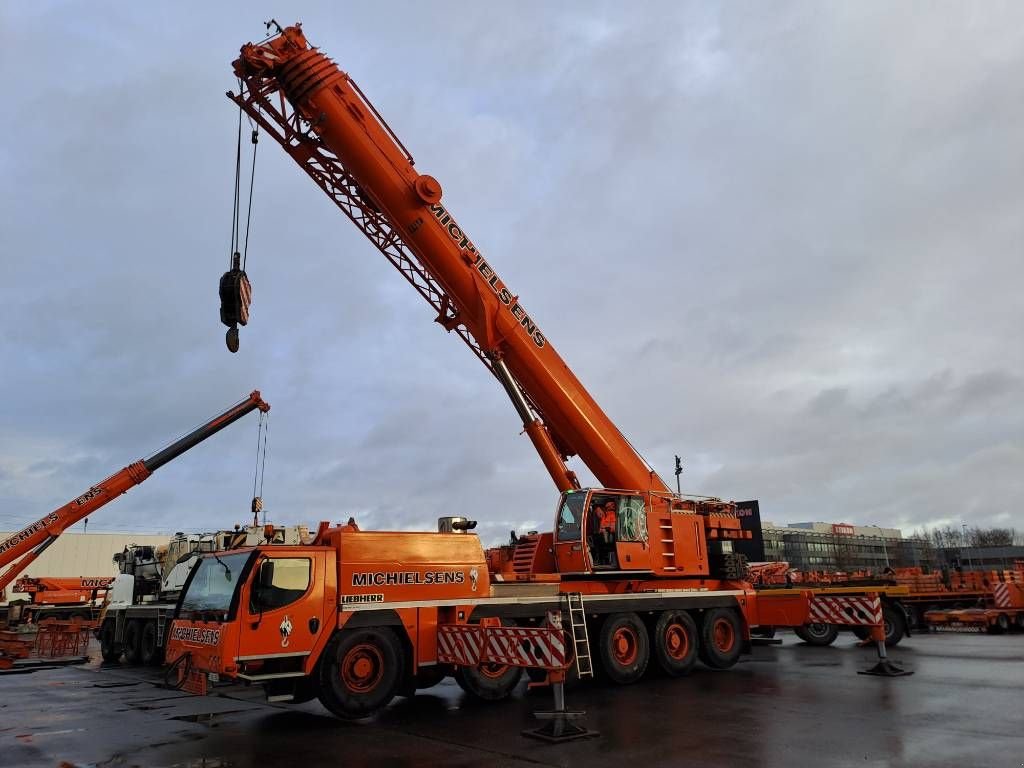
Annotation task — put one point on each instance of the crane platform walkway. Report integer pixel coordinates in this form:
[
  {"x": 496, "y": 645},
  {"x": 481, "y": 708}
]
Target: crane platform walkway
[{"x": 796, "y": 705}]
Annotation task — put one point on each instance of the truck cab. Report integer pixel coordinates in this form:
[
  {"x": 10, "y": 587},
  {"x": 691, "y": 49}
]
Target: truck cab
[{"x": 256, "y": 614}]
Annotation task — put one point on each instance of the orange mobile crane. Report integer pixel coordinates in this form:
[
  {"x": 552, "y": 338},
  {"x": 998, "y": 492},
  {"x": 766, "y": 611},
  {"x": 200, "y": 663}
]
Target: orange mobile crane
[
  {"x": 61, "y": 597},
  {"x": 359, "y": 616},
  {"x": 19, "y": 550}
]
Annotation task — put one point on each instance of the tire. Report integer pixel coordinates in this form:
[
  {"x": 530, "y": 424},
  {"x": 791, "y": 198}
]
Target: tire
[
  {"x": 1002, "y": 623},
  {"x": 675, "y": 643},
  {"x": 109, "y": 650},
  {"x": 894, "y": 621},
  {"x": 861, "y": 633},
  {"x": 360, "y": 672},
  {"x": 133, "y": 641},
  {"x": 428, "y": 677},
  {"x": 1020, "y": 621},
  {"x": 489, "y": 682},
  {"x": 721, "y": 636},
  {"x": 624, "y": 648},
  {"x": 149, "y": 653},
  {"x": 818, "y": 634}
]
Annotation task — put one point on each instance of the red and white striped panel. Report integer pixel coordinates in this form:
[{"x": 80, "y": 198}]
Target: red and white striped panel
[
  {"x": 534, "y": 647},
  {"x": 468, "y": 645},
  {"x": 848, "y": 611},
  {"x": 1001, "y": 592},
  {"x": 461, "y": 644}
]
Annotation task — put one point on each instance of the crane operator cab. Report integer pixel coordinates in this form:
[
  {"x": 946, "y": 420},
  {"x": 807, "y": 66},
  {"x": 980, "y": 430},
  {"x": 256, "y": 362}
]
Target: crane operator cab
[{"x": 599, "y": 530}]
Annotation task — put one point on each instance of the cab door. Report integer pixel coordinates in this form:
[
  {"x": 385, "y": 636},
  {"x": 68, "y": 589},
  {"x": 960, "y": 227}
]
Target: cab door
[
  {"x": 282, "y": 612},
  {"x": 571, "y": 550}
]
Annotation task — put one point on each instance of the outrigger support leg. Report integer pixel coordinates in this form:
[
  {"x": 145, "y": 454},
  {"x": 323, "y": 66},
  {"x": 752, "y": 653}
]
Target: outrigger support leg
[
  {"x": 884, "y": 667},
  {"x": 559, "y": 726}
]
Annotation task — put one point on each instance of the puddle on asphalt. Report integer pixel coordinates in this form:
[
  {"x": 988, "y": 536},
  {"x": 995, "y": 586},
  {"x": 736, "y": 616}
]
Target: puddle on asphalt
[{"x": 206, "y": 718}]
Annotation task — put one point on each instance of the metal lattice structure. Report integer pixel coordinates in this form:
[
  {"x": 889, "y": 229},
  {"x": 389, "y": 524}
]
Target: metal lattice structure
[{"x": 262, "y": 100}]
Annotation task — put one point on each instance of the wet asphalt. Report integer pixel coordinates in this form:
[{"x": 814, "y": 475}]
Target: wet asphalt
[{"x": 788, "y": 706}]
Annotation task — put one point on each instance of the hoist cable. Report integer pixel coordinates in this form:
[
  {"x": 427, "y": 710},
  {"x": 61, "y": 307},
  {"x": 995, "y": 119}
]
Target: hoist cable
[
  {"x": 237, "y": 191},
  {"x": 263, "y": 468},
  {"x": 255, "y": 474},
  {"x": 252, "y": 178}
]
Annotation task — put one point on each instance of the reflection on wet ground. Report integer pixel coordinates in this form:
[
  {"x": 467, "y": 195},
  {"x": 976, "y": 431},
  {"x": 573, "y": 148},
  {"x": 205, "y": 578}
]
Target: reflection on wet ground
[{"x": 787, "y": 706}]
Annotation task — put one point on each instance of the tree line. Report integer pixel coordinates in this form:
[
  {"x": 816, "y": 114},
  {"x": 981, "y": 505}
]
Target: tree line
[{"x": 950, "y": 537}]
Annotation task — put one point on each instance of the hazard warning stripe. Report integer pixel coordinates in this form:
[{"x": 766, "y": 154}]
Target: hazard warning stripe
[
  {"x": 472, "y": 644},
  {"x": 1002, "y": 595},
  {"x": 847, "y": 611}
]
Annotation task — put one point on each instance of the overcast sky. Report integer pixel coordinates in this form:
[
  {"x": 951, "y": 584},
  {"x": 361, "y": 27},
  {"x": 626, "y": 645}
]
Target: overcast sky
[{"x": 783, "y": 240}]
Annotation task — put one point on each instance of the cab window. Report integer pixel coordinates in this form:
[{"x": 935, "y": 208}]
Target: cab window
[
  {"x": 288, "y": 582},
  {"x": 570, "y": 516},
  {"x": 632, "y": 519}
]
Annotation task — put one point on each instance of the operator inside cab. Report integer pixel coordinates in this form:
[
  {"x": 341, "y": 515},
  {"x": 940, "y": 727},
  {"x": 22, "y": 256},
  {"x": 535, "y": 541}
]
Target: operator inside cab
[{"x": 604, "y": 513}]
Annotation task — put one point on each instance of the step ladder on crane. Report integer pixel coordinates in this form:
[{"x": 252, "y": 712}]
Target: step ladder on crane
[{"x": 580, "y": 640}]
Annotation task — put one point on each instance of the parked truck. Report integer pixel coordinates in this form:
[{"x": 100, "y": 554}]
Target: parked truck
[
  {"x": 57, "y": 597},
  {"x": 134, "y": 618}
]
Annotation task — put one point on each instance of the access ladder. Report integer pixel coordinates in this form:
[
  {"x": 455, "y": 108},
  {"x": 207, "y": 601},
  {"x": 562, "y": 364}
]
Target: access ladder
[{"x": 580, "y": 640}]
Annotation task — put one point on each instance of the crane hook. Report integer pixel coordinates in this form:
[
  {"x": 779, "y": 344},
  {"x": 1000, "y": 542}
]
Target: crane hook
[{"x": 235, "y": 298}]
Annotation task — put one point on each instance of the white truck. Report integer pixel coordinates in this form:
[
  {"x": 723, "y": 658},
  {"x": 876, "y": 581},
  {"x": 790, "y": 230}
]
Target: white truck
[{"x": 140, "y": 602}]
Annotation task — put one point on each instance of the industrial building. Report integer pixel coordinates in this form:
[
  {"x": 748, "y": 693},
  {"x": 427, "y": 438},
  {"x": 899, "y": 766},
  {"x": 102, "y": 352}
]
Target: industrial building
[{"x": 817, "y": 546}]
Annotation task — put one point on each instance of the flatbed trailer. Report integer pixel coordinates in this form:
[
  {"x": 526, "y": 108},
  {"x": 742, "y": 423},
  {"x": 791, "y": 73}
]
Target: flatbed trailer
[{"x": 1000, "y": 611}]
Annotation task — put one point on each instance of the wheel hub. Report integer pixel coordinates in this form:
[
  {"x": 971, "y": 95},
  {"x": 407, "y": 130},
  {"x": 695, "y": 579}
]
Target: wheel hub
[
  {"x": 723, "y": 635},
  {"x": 624, "y": 646},
  {"x": 676, "y": 642},
  {"x": 362, "y": 668}
]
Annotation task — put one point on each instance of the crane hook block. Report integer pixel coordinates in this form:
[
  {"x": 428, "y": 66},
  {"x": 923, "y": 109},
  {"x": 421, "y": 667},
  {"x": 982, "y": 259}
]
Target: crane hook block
[{"x": 235, "y": 298}]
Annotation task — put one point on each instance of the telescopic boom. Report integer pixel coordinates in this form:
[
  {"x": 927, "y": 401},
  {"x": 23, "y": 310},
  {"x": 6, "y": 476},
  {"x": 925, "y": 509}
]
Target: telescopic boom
[
  {"x": 329, "y": 127},
  {"x": 20, "y": 549}
]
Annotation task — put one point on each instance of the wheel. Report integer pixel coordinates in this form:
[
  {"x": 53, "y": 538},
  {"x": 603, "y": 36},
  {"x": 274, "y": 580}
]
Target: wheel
[
  {"x": 1020, "y": 621},
  {"x": 818, "y": 634},
  {"x": 861, "y": 633},
  {"x": 488, "y": 682},
  {"x": 133, "y": 641},
  {"x": 676, "y": 642},
  {"x": 360, "y": 672},
  {"x": 428, "y": 677},
  {"x": 625, "y": 649},
  {"x": 720, "y": 638},
  {"x": 109, "y": 650},
  {"x": 149, "y": 653},
  {"x": 894, "y": 622},
  {"x": 1003, "y": 623}
]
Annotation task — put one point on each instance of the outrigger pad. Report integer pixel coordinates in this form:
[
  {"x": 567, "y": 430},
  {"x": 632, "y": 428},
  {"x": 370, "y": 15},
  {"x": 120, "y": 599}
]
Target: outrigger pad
[
  {"x": 886, "y": 668},
  {"x": 559, "y": 727}
]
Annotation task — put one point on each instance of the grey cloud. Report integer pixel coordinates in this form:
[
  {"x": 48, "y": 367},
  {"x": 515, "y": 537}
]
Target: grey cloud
[{"x": 802, "y": 223}]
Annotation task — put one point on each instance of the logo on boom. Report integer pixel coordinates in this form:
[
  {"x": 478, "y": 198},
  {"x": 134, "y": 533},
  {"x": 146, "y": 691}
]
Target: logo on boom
[{"x": 487, "y": 272}]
